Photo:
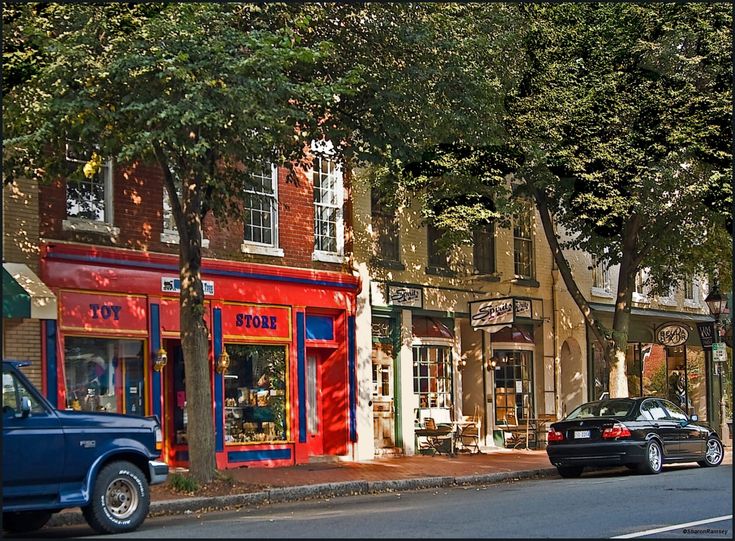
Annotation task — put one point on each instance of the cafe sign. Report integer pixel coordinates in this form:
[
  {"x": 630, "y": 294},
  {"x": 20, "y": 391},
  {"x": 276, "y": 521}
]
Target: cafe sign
[
  {"x": 405, "y": 296},
  {"x": 672, "y": 334},
  {"x": 491, "y": 314}
]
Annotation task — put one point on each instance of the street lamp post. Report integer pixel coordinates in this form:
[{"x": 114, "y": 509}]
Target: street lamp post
[{"x": 717, "y": 304}]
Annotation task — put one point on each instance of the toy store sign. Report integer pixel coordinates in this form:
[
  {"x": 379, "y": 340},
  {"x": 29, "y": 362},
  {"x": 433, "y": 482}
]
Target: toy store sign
[
  {"x": 256, "y": 321},
  {"x": 117, "y": 313},
  {"x": 672, "y": 335}
]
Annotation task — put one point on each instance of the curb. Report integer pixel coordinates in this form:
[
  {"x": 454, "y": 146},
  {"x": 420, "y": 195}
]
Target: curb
[{"x": 305, "y": 492}]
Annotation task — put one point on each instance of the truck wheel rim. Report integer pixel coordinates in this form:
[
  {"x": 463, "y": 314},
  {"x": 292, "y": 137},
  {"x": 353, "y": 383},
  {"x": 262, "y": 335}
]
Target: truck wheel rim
[
  {"x": 654, "y": 457},
  {"x": 714, "y": 452},
  {"x": 121, "y": 498}
]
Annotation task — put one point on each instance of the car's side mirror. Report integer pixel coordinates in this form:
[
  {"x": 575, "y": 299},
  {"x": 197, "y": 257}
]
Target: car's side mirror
[
  {"x": 25, "y": 406},
  {"x": 694, "y": 418}
]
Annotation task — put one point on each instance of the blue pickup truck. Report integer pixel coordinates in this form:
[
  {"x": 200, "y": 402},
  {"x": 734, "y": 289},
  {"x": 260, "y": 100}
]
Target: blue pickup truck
[{"x": 53, "y": 460}]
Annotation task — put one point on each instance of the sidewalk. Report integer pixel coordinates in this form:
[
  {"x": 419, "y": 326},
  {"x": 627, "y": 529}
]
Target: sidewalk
[{"x": 257, "y": 486}]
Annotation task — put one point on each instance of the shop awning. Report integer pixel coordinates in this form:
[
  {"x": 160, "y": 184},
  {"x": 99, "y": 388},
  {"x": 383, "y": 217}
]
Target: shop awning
[
  {"x": 652, "y": 313},
  {"x": 25, "y": 295}
]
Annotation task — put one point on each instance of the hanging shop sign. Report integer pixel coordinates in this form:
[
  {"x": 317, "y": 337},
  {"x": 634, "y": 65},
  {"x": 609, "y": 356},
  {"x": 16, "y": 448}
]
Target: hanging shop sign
[
  {"x": 170, "y": 284},
  {"x": 405, "y": 296},
  {"x": 492, "y": 313},
  {"x": 257, "y": 321},
  {"x": 706, "y": 331},
  {"x": 672, "y": 334},
  {"x": 109, "y": 313}
]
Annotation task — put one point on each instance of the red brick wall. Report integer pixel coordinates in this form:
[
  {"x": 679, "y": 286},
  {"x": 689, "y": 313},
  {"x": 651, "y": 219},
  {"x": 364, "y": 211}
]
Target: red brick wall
[{"x": 137, "y": 201}]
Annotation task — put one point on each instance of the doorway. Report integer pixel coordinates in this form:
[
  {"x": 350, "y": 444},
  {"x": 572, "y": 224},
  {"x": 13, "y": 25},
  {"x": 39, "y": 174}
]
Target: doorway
[
  {"x": 382, "y": 396},
  {"x": 314, "y": 406},
  {"x": 177, "y": 449}
]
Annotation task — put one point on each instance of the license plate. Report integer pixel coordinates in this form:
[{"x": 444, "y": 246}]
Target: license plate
[{"x": 581, "y": 434}]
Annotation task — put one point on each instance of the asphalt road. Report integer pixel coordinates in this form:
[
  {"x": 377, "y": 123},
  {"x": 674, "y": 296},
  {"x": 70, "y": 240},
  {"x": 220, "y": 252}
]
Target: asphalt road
[{"x": 680, "y": 502}]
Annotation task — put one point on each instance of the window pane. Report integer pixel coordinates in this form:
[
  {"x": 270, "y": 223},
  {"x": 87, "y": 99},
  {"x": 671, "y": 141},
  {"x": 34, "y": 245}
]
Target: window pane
[
  {"x": 484, "y": 250},
  {"x": 105, "y": 375},
  {"x": 432, "y": 373},
  {"x": 255, "y": 394},
  {"x": 261, "y": 207}
]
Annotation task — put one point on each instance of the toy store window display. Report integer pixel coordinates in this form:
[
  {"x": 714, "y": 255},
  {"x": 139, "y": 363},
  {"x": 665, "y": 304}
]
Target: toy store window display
[
  {"x": 104, "y": 375},
  {"x": 255, "y": 394}
]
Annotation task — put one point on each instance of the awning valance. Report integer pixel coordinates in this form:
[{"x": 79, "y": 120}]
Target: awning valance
[{"x": 25, "y": 295}]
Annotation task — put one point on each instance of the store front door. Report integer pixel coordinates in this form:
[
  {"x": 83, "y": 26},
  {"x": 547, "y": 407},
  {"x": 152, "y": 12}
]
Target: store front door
[
  {"x": 175, "y": 405},
  {"x": 314, "y": 407},
  {"x": 382, "y": 396}
]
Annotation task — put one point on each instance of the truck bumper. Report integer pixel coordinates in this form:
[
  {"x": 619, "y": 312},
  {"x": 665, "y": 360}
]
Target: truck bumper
[{"x": 158, "y": 471}]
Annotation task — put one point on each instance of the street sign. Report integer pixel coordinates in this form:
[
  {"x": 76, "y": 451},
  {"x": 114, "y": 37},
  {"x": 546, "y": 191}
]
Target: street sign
[{"x": 719, "y": 352}]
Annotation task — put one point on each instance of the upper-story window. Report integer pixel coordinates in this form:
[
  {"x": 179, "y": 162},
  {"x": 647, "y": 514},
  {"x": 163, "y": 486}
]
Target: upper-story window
[
  {"x": 642, "y": 287},
  {"x": 691, "y": 292},
  {"x": 328, "y": 203},
  {"x": 601, "y": 283},
  {"x": 170, "y": 232},
  {"x": 88, "y": 192},
  {"x": 524, "y": 264},
  {"x": 385, "y": 228},
  {"x": 483, "y": 249},
  {"x": 261, "y": 212},
  {"x": 438, "y": 257},
  {"x": 668, "y": 298}
]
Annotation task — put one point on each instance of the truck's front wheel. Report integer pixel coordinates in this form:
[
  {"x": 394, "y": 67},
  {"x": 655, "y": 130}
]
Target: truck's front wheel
[{"x": 120, "y": 499}]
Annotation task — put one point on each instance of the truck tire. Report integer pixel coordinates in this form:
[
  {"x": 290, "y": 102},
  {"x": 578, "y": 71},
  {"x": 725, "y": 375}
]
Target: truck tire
[
  {"x": 25, "y": 521},
  {"x": 120, "y": 499}
]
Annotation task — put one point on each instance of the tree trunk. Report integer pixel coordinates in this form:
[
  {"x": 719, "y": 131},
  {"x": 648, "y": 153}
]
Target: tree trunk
[
  {"x": 194, "y": 343},
  {"x": 615, "y": 354}
]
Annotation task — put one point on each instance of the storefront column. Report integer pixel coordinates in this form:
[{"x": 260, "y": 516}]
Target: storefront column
[
  {"x": 364, "y": 447},
  {"x": 50, "y": 343},
  {"x": 407, "y": 402},
  {"x": 219, "y": 416},
  {"x": 156, "y": 384}
]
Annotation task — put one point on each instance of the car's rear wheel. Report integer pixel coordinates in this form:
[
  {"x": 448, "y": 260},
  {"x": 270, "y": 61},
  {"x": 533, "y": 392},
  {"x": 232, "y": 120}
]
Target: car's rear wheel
[
  {"x": 120, "y": 499},
  {"x": 25, "y": 521},
  {"x": 570, "y": 471},
  {"x": 714, "y": 455},
  {"x": 653, "y": 458}
]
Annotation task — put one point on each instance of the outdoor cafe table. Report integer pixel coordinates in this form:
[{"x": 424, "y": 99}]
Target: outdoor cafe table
[{"x": 438, "y": 437}]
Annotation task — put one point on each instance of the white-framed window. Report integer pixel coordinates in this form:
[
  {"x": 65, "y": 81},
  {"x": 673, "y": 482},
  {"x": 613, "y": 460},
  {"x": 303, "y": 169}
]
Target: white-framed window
[
  {"x": 328, "y": 204},
  {"x": 692, "y": 292},
  {"x": 601, "y": 282},
  {"x": 523, "y": 260},
  {"x": 88, "y": 198},
  {"x": 642, "y": 287},
  {"x": 260, "y": 216},
  {"x": 170, "y": 233}
]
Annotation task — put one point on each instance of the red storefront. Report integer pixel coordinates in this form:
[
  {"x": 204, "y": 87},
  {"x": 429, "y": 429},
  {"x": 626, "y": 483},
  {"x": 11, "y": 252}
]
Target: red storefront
[{"x": 289, "y": 391}]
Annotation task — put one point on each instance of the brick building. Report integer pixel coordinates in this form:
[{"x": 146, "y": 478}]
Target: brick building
[{"x": 279, "y": 303}]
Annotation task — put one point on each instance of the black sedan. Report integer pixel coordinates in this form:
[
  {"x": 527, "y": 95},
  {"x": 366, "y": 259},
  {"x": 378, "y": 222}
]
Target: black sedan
[{"x": 641, "y": 433}]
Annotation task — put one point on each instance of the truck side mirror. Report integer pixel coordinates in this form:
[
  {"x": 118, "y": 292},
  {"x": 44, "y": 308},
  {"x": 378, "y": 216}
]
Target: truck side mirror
[{"x": 25, "y": 406}]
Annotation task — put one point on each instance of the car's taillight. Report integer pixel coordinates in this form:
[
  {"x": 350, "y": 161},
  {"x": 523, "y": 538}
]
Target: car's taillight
[
  {"x": 159, "y": 438},
  {"x": 555, "y": 436},
  {"x": 618, "y": 430}
]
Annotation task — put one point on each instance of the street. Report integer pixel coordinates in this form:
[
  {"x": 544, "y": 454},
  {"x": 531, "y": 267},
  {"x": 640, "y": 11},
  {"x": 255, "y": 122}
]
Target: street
[{"x": 696, "y": 502}]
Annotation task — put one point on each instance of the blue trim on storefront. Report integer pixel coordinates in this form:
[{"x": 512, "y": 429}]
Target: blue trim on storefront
[
  {"x": 301, "y": 373},
  {"x": 52, "y": 378},
  {"x": 155, "y": 346},
  {"x": 219, "y": 428},
  {"x": 208, "y": 272},
  {"x": 352, "y": 376},
  {"x": 259, "y": 455}
]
